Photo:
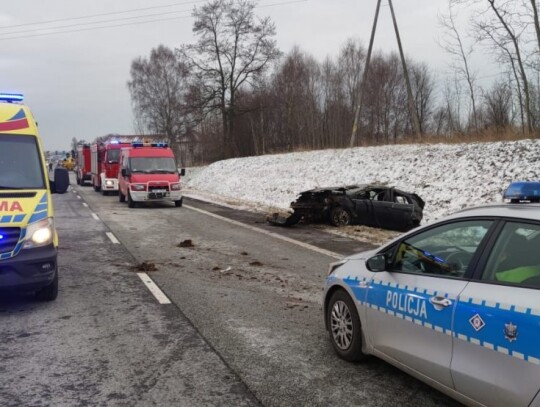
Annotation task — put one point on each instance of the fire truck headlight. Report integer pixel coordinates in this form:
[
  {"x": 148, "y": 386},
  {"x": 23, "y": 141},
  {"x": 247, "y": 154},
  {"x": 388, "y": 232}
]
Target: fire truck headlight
[
  {"x": 175, "y": 187},
  {"x": 138, "y": 187},
  {"x": 39, "y": 234},
  {"x": 109, "y": 183}
]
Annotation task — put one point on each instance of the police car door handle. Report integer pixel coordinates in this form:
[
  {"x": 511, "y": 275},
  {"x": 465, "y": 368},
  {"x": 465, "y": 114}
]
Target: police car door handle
[{"x": 440, "y": 301}]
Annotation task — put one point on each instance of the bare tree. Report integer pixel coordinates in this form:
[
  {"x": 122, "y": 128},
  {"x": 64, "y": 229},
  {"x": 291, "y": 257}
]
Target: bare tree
[
  {"x": 233, "y": 45},
  {"x": 158, "y": 88},
  {"x": 453, "y": 44},
  {"x": 498, "y": 104}
]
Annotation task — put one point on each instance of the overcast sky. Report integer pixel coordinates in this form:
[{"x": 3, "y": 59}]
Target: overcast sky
[{"x": 75, "y": 82}]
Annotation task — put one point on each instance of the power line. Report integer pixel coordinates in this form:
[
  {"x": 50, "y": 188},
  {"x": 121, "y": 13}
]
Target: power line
[
  {"x": 95, "y": 22},
  {"x": 114, "y": 20},
  {"x": 102, "y": 14}
]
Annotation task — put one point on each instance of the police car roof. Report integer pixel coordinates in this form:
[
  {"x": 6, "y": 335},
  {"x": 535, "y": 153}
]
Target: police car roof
[{"x": 506, "y": 210}]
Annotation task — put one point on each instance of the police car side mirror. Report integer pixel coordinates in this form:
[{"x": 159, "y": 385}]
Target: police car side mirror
[
  {"x": 377, "y": 263},
  {"x": 182, "y": 172}
]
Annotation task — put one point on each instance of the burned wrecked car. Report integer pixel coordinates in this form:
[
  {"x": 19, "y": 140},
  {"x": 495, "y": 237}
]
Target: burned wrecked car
[{"x": 370, "y": 205}]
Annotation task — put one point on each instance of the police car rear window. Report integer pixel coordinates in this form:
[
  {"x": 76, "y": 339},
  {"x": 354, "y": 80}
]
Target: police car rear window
[{"x": 515, "y": 258}]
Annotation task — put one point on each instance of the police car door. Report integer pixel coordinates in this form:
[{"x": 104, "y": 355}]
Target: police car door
[
  {"x": 409, "y": 317},
  {"x": 496, "y": 357}
]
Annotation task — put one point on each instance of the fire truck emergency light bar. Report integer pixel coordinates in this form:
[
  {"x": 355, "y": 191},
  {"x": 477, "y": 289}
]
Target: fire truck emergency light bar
[
  {"x": 11, "y": 97},
  {"x": 141, "y": 144}
]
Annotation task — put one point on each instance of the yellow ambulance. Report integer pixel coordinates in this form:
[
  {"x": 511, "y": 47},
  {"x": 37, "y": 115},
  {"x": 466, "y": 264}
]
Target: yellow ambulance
[{"x": 28, "y": 238}]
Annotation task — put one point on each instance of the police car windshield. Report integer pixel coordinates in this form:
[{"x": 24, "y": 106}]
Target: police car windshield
[
  {"x": 153, "y": 165},
  {"x": 20, "y": 163}
]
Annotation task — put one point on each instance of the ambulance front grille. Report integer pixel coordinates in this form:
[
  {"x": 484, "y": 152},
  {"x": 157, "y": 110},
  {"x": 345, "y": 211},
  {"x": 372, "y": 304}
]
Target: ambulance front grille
[
  {"x": 11, "y": 195},
  {"x": 9, "y": 237}
]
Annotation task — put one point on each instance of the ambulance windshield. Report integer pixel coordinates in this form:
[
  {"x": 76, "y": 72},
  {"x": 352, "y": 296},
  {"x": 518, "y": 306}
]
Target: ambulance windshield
[{"x": 20, "y": 163}]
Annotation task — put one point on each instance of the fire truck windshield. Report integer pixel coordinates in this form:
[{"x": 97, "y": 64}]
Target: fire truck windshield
[
  {"x": 112, "y": 156},
  {"x": 153, "y": 165},
  {"x": 20, "y": 163}
]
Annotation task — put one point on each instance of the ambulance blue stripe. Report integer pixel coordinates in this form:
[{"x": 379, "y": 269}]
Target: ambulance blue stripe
[
  {"x": 6, "y": 219},
  {"x": 18, "y": 218},
  {"x": 37, "y": 217},
  {"x": 43, "y": 199},
  {"x": 390, "y": 299},
  {"x": 5, "y": 256},
  {"x": 41, "y": 207}
]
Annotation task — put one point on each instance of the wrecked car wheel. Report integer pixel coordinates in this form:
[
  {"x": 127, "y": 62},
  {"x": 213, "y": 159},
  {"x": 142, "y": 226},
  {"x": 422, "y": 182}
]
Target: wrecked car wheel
[{"x": 340, "y": 216}]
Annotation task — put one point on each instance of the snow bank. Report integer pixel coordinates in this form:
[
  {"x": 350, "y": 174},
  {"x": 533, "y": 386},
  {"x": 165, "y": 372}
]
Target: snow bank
[{"x": 447, "y": 177}]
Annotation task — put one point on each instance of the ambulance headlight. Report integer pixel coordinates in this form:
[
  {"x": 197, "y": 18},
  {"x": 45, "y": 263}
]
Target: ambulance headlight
[
  {"x": 138, "y": 187},
  {"x": 39, "y": 234},
  {"x": 175, "y": 187}
]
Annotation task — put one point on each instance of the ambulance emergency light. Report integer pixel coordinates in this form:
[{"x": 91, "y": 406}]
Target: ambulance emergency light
[
  {"x": 521, "y": 191},
  {"x": 11, "y": 97}
]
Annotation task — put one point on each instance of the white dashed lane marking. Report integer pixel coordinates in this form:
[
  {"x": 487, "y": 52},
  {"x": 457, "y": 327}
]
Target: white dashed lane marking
[
  {"x": 112, "y": 238},
  {"x": 265, "y": 232},
  {"x": 94, "y": 216},
  {"x": 154, "y": 289},
  {"x": 85, "y": 204}
]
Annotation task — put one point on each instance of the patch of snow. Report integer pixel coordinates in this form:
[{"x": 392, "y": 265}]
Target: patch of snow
[{"x": 448, "y": 177}]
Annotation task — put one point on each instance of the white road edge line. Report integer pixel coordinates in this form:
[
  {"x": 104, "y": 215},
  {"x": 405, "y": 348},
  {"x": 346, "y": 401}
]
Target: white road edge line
[
  {"x": 94, "y": 216},
  {"x": 154, "y": 289},
  {"x": 265, "y": 232},
  {"x": 112, "y": 238},
  {"x": 85, "y": 204}
]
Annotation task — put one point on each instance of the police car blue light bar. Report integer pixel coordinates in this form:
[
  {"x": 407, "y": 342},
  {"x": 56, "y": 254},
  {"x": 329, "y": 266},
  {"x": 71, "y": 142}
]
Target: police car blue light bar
[
  {"x": 523, "y": 191},
  {"x": 11, "y": 97}
]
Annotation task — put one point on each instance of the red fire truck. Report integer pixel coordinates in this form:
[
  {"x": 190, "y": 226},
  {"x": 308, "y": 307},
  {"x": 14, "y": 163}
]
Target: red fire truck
[
  {"x": 148, "y": 174},
  {"x": 105, "y": 153},
  {"x": 83, "y": 164}
]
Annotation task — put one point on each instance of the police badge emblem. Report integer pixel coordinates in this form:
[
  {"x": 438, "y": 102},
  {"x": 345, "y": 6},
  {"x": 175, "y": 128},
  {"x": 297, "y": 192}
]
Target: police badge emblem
[{"x": 510, "y": 332}]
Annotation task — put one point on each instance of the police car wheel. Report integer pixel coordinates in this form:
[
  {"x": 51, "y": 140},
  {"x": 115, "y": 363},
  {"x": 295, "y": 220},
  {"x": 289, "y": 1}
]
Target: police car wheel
[
  {"x": 344, "y": 327},
  {"x": 50, "y": 292}
]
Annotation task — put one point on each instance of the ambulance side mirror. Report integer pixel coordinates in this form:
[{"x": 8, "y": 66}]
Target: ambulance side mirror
[
  {"x": 60, "y": 184},
  {"x": 377, "y": 263},
  {"x": 182, "y": 172}
]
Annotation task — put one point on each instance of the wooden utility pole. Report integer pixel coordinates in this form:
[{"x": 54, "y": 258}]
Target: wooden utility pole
[
  {"x": 412, "y": 107},
  {"x": 364, "y": 77}
]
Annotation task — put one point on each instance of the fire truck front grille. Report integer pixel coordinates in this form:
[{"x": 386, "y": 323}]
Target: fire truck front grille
[
  {"x": 159, "y": 188},
  {"x": 8, "y": 239}
]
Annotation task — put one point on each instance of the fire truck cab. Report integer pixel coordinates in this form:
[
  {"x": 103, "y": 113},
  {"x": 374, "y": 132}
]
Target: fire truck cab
[
  {"x": 105, "y": 155},
  {"x": 149, "y": 173},
  {"x": 83, "y": 164}
]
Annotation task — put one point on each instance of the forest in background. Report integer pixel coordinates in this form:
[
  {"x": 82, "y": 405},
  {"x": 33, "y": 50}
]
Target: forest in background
[{"x": 233, "y": 93}]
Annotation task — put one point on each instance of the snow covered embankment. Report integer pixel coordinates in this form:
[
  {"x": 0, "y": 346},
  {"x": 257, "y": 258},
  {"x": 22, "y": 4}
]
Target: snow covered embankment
[{"x": 447, "y": 177}]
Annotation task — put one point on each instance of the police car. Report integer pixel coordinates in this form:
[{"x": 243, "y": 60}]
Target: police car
[{"x": 455, "y": 303}]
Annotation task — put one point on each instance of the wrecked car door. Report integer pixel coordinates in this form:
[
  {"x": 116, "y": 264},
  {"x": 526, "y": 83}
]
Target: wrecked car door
[{"x": 364, "y": 208}]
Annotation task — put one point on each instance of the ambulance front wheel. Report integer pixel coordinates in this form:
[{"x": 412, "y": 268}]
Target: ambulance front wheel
[
  {"x": 50, "y": 292},
  {"x": 344, "y": 327},
  {"x": 178, "y": 203}
]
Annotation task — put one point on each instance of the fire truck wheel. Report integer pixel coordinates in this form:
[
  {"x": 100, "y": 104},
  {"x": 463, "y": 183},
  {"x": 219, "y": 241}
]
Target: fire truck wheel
[
  {"x": 78, "y": 180},
  {"x": 131, "y": 202},
  {"x": 105, "y": 193},
  {"x": 121, "y": 196},
  {"x": 178, "y": 203},
  {"x": 97, "y": 188}
]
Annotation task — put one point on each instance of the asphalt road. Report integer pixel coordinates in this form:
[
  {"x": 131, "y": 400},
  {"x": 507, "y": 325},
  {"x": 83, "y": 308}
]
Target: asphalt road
[{"x": 245, "y": 325}]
